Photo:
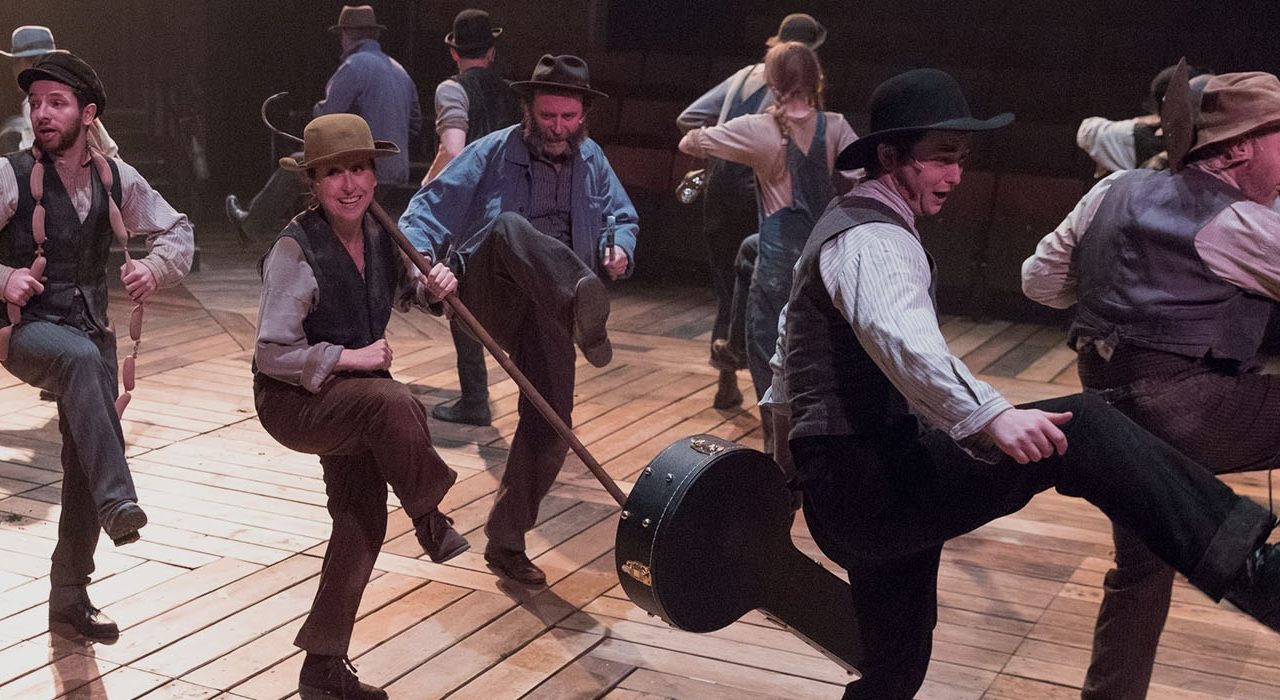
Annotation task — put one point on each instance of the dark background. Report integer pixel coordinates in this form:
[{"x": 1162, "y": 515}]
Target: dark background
[{"x": 184, "y": 72}]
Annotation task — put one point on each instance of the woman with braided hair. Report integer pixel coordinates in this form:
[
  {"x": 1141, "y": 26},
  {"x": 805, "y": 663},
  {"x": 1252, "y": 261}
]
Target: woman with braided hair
[{"x": 791, "y": 147}]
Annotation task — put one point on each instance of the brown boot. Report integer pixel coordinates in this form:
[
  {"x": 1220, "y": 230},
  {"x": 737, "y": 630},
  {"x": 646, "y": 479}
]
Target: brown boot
[{"x": 728, "y": 395}]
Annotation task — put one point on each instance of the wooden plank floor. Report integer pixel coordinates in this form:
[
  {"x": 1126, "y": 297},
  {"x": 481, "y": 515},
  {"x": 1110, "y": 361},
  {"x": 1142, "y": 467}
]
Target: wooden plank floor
[{"x": 211, "y": 597}]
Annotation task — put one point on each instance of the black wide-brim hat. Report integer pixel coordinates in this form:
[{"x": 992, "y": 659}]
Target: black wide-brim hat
[
  {"x": 471, "y": 30},
  {"x": 924, "y": 99},
  {"x": 70, "y": 70},
  {"x": 563, "y": 72}
]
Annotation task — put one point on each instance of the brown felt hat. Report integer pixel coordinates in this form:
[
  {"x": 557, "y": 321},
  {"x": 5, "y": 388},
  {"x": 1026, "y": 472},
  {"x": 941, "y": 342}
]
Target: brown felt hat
[
  {"x": 558, "y": 73},
  {"x": 799, "y": 27},
  {"x": 356, "y": 17},
  {"x": 1235, "y": 104},
  {"x": 337, "y": 138}
]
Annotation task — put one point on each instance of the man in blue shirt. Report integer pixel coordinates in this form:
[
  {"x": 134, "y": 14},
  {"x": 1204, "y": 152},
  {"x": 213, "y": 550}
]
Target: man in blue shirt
[
  {"x": 368, "y": 83},
  {"x": 522, "y": 216}
]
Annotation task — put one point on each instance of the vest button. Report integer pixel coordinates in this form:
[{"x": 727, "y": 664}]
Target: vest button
[{"x": 77, "y": 292}]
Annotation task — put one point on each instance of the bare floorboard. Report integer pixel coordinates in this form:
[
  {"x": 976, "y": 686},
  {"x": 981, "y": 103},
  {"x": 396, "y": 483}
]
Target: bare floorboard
[{"x": 212, "y": 597}]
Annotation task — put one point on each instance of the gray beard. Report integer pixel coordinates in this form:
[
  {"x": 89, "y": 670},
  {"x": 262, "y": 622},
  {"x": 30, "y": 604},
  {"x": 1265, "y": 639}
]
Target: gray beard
[{"x": 537, "y": 144}]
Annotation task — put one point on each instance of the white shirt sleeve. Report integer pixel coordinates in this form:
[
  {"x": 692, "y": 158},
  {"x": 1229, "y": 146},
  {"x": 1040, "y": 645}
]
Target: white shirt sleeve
[
  {"x": 1046, "y": 275},
  {"x": 878, "y": 277}
]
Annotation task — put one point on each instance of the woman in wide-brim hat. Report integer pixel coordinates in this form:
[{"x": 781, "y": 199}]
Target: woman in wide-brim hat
[{"x": 322, "y": 383}]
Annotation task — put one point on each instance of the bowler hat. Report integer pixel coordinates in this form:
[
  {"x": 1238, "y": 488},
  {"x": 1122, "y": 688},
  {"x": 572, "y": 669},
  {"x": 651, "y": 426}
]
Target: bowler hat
[
  {"x": 558, "y": 73},
  {"x": 30, "y": 40},
  {"x": 356, "y": 17},
  {"x": 337, "y": 138},
  {"x": 471, "y": 30},
  {"x": 70, "y": 70},
  {"x": 918, "y": 100},
  {"x": 1234, "y": 104},
  {"x": 799, "y": 27}
]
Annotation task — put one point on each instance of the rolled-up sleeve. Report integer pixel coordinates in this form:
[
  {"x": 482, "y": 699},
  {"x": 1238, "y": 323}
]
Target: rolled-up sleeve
[
  {"x": 1108, "y": 143},
  {"x": 878, "y": 276},
  {"x": 289, "y": 292},
  {"x": 451, "y": 107},
  {"x": 8, "y": 205},
  {"x": 170, "y": 237}
]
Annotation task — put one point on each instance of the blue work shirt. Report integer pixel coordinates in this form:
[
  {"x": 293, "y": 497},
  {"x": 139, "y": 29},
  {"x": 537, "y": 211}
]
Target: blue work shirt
[
  {"x": 491, "y": 176},
  {"x": 373, "y": 85}
]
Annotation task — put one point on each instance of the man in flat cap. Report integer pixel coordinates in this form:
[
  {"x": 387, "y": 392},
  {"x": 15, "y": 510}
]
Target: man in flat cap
[
  {"x": 899, "y": 448},
  {"x": 27, "y": 44},
  {"x": 471, "y": 104},
  {"x": 729, "y": 212},
  {"x": 523, "y": 216},
  {"x": 62, "y": 204},
  {"x": 1174, "y": 275},
  {"x": 369, "y": 83}
]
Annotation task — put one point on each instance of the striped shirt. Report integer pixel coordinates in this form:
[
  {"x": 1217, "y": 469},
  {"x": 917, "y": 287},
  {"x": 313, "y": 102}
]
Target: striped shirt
[
  {"x": 169, "y": 234},
  {"x": 878, "y": 276}
]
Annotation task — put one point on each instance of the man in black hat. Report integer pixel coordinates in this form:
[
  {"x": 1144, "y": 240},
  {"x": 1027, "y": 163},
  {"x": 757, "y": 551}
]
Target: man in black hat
[
  {"x": 471, "y": 104},
  {"x": 57, "y": 203},
  {"x": 898, "y": 447},
  {"x": 530, "y": 217},
  {"x": 729, "y": 212},
  {"x": 368, "y": 83}
]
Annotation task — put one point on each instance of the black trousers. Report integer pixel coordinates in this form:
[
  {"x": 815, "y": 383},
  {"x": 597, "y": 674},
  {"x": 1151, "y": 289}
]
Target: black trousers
[
  {"x": 883, "y": 511},
  {"x": 519, "y": 283}
]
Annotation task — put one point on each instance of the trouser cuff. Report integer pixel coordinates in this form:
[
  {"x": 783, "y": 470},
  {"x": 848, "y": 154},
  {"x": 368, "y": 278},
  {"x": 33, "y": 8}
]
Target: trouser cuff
[{"x": 1240, "y": 532}]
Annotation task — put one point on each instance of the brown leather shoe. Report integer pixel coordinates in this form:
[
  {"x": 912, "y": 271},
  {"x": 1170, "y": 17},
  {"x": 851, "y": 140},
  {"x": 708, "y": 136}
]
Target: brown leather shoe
[
  {"x": 515, "y": 566},
  {"x": 438, "y": 538},
  {"x": 329, "y": 677},
  {"x": 728, "y": 395},
  {"x": 84, "y": 620},
  {"x": 123, "y": 523},
  {"x": 590, "y": 315}
]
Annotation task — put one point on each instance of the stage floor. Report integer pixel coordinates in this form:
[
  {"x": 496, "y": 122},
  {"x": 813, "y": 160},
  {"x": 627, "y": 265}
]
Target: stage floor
[{"x": 211, "y": 597}]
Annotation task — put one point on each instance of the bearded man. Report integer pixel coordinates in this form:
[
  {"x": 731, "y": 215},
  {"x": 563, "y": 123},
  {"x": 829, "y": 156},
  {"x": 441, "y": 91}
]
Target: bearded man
[
  {"x": 57, "y": 201},
  {"x": 521, "y": 217}
]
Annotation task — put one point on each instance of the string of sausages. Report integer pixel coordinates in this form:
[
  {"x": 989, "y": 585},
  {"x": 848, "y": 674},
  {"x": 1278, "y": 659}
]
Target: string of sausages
[{"x": 38, "y": 265}]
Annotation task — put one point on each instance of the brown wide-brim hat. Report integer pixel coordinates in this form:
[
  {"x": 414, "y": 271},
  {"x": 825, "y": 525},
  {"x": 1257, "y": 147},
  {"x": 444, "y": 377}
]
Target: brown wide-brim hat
[
  {"x": 356, "y": 17},
  {"x": 337, "y": 138},
  {"x": 924, "y": 99},
  {"x": 799, "y": 27},
  {"x": 1235, "y": 104},
  {"x": 558, "y": 73},
  {"x": 471, "y": 30},
  {"x": 70, "y": 70}
]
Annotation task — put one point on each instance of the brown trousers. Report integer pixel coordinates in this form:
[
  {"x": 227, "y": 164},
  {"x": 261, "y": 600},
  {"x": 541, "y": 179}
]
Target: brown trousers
[
  {"x": 1226, "y": 421},
  {"x": 368, "y": 432}
]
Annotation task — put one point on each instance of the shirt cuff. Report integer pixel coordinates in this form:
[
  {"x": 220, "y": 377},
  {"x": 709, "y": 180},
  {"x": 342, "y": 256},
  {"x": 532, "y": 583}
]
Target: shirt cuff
[
  {"x": 319, "y": 366},
  {"x": 5, "y": 273},
  {"x": 981, "y": 417}
]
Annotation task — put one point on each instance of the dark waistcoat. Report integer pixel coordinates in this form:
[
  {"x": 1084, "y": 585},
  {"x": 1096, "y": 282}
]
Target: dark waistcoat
[
  {"x": 491, "y": 103},
  {"x": 77, "y": 252},
  {"x": 1141, "y": 281},
  {"x": 833, "y": 386},
  {"x": 352, "y": 310}
]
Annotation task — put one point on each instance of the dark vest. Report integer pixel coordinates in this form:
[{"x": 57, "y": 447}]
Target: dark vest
[
  {"x": 491, "y": 103},
  {"x": 833, "y": 386},
  {"x": 1141, "y": 281},
  {"x": 77, "y": 252},
  {"x": 352, "y": 310}
]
